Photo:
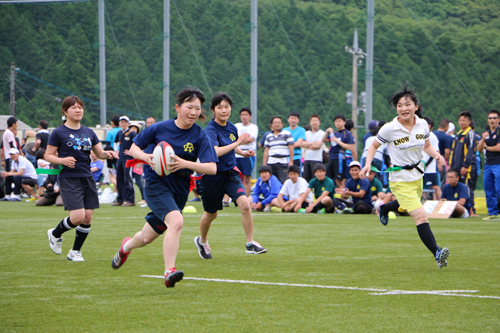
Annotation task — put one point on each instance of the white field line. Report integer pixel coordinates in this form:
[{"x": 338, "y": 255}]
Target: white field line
[{"x": 376, "y": 292}]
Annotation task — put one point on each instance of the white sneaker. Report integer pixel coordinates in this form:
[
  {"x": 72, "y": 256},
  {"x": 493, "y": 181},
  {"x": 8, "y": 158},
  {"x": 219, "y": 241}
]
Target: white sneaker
[
  {"x": 267, "y": 209},
  {"x": 75, "y": 255},
  {"x": 54, "y": 243},
  {"x": 144, "y": 206}
]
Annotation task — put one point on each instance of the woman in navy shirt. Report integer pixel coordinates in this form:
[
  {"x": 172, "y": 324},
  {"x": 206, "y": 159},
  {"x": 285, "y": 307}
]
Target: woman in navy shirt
[
  {"x": 167, "y": 196},
  {"x": 224, "y": 137},
  {"x": 69, "y": 145}
]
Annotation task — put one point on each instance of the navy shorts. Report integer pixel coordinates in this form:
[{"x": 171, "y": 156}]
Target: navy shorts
[
  {"x": 161, "y": 201},
  {"x": 212, "y": 193},
  {"x": 245, "y": 165},
  {"x": 430, "y": 179},
  {"x": 336, "y": 168},
  {"x": 78, "y": 193}
]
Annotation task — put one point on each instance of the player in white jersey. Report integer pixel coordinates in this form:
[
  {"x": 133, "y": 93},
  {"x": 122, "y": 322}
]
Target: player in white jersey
[{"x": 407, "y": 137}]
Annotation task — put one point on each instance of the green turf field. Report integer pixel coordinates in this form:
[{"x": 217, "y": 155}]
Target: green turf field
[{"x": 322, "y": 273}]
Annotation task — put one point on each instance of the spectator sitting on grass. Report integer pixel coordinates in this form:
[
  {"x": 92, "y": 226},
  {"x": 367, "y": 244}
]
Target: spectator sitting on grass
[
  {"x": 457, "y": 191},
  {"x": 322, "y": 187},
  {"x": 294, "y": 186},
  {"x": 268, "y": 186},
  {"x": 375, "y": 186},
  {"x": 358, "y": 189}
]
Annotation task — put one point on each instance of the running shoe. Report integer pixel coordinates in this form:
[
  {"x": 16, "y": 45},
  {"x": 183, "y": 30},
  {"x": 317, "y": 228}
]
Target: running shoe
[
  {"x": 321, "y": 211},
  {"x": 347, "y": 210},
  {"x": 54, "y": 243},
  {"x": 267, "y": 209},
  {"x": 75, "y": 256},
  {"x": 275, "y": 209},
  {"x": 383, "y": 217},
  {"x": 31, "y": 199},
  {"x": 255, "y": 248},
  {"x": 301, "y": 211},
  {"x": 197, "y": 199},
  {"x": 491, "y": 218},
  {"x": 203, "y": 250},
  {"x": 172, "y": 277},
  {"x": 442, "y": 254},
  {"x": 120, "y": 256},
  {"x": 225, "y": 204}
]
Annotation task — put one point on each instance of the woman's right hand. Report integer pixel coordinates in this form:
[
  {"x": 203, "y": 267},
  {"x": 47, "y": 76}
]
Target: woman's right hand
[
  {"x": 69, "y": 161},
  {"x": 365, "y": 171}
]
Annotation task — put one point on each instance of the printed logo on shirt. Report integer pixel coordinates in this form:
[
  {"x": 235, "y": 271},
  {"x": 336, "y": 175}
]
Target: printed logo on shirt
[
  {"x": 402, "y": 140},
  {"x": 78, "y": 143},
  {"x": 373, "y": 188},
  {"x": 420, "y": 136},
  {"x": 461, "y": 140},
  {"x": 232, "y": 137},
  {"x": 358, "y": 187},
  {"x": 188, "y": 147},
  {"x": 456, "y": 195},
  {"x": 323, "y": 188}
]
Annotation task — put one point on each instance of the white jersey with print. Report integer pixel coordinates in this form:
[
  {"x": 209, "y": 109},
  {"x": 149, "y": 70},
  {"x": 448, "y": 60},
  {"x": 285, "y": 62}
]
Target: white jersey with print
[
  {"x": 251, "y": 129},
  {"x": 23, "y": 163},
  {"x": 404, "y": 147},
  {"x": 311, "y": 154},
  {"x": 293, "y": 190},
  {"x": 379, "y": 154},
  {"x": 431, "y": 168}
]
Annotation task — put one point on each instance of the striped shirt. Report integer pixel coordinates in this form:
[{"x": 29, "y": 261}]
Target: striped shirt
[
  {"x": 278, "y": 147},
  {"x": 404, "y": 147}
]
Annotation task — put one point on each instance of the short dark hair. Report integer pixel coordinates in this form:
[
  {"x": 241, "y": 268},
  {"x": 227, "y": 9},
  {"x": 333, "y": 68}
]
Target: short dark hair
[
  {"x": 265, "y": 168},
  {"x": 293, "y": 114},
  {"x": 429, "y": 121},
  {"x": 349, "y": 124},
  {"x": 11, "y": 121},
  {"x": 407, "y": 93},
  {"x": 219, "y": 97},
  {"x": 314, "y": 116},
  {"x": 246, "y": 110},
  {"x": 443, "y": 123},
  {"x": 69, "y": 102},
  {"x": 294, "y": 168},
  {"x": 44, "y": 124},
  {"x": 472, "y": 124},
  {"x": 272, "y": 118},
  {"x": 465, "y": 114},
  {"x": 457, "y": 174},
  {"x": 374, "y": 131},
  {"x": 319, "y": 166},
  {"x": 189, "y": 94},
  {"x": 115, "y": 119},
  {"x": 339, "y": 116},
  {"x": 494, "y": 111}
]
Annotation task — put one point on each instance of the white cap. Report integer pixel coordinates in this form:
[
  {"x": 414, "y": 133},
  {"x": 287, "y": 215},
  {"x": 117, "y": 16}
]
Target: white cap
[
  {"x": 451, "y": 127},
  {"x": 125, "y": 118},
  {"x": 355, "y": 163},
  {"x": 13, "y": 151}
]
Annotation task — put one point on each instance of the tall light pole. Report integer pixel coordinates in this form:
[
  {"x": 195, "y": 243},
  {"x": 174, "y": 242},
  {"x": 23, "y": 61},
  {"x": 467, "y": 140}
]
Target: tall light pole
[
  {"x": 166, "y": 59},
  {"x": 102, "y": 62},
  {"x": 370, "y": 15},
  {"x": 253, "y": 60},
  {"x": 12, "y": 89}
]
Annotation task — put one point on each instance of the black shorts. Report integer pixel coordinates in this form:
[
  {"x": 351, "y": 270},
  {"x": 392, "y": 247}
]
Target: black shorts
[
  {"x": 78, "y": 193},
  {"x": 212, "y": 193},
  {"x": 161, "y": 201},
  {"x": 430, "y": 179},
  {"x": 29, "y": 181},
  {"x": 335, "y": 169}
]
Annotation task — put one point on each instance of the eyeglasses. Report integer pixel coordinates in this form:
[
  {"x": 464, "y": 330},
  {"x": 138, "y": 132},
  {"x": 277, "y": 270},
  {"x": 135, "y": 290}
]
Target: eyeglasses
[{"x": 492, "y": 118}]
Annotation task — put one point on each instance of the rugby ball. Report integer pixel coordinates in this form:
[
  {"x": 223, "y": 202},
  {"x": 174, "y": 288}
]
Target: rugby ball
[{"x": 161, "y": 156}]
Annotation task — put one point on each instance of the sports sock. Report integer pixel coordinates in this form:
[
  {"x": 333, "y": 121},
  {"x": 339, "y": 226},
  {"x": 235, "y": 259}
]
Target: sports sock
[
  {"x": 339, "y": 204},
  {"x": 319, "y": 206},
  {"x": 427, "y": 237},
  {"x": 62, "y": 227},
  {"x": 81, "y": 234},
  {"x": 390, "y": 207},
  {"x": 125, "y": 246}
]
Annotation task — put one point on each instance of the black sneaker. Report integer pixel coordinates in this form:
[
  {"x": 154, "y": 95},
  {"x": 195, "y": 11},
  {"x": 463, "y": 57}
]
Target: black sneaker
[
  {"x": 255, "y": 248},
  {"x": 383, "y": 218},
  {"x": 172, "y": 277},
  {"x": 203, "y": 250}
]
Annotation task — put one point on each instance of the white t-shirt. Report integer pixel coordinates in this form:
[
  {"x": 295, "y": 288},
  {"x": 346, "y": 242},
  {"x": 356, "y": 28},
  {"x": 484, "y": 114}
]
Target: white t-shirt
[
  {"x": 293, "y": 190},
  {"x": 405, "y": 147},
  {"x": 251, "y": 129},
  {"x": 311, "y": 154},
  {"x": 23, "y": 163},
  {"x": 431, "y": 168},
  {"x": 379, "y": 154},
  {"x": 8, "y": 137}
]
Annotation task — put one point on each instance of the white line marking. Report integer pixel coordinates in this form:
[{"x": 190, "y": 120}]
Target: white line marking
[{"x": 375, "y": 292}]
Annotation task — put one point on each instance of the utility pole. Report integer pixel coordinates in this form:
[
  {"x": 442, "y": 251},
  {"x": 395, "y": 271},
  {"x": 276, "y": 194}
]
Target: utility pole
[
  {"x": 166, "y": 59},
  {"x": 370, "y": 16},
  {"x": 12, "y": 89},
  {"x": 357, "y": 55},
  {"x": 102, "y": 62},
  {"x": 253, "y": 60}
]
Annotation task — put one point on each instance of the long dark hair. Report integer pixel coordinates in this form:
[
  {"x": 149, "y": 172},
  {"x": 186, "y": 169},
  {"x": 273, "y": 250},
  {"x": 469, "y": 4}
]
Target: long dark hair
[{"x": 407, "y": 93}]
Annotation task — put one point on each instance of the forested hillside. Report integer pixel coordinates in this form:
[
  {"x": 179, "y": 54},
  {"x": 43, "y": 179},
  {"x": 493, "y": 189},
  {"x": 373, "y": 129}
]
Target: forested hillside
[{"x": 448, "y": 49}]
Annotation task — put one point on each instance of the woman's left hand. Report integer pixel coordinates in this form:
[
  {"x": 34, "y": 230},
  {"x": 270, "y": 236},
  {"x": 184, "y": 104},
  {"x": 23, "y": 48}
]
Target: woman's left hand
[
  {"x": 111, "y": 154},
  {"x": 177, "y": 164}
]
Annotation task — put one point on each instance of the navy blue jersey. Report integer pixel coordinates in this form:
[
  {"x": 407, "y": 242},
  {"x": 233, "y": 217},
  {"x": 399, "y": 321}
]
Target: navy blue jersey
[
  {"x": 75, "y": 143},
  {"x": 189, "y": 144},
  {"x": 357, "y": 185},
  {"x": 442, "y": 137},
  {"x": 125, "y": 139},
  {"x": 336, "y": 151},
  {"x": 222, "y": 136},
  {"x": 455, "y": 193}
]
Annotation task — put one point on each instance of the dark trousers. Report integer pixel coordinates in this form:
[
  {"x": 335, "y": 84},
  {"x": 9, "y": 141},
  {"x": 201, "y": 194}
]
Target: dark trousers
[
  {"x": 280, "y": 170},
  {"x": 308, "y": 173},
  {"x": 124, "y": 184},
  {"x": 9, "y": 180},
  {"x": 17, "y": 181}
]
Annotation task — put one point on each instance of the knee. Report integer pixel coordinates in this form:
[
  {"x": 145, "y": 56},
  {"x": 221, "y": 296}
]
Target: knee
[
  {"x": 245, "y": 207},
  {"x": 176, "y": 225},
  {"x": 145, "y": 238}
]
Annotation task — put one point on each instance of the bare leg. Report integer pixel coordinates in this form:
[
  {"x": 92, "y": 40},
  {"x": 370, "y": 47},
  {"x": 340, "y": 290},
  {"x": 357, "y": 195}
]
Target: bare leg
[
  {"x": 205, "y": 222},
  {"x": 246, "y": 217},
  {"x": 142, "y": 238},
  {"x": 419, "y": 215},
  {"x": 174, "y": 222},
  {"x": 247, "y": 183},
  {"x": 30, "y": 191}
]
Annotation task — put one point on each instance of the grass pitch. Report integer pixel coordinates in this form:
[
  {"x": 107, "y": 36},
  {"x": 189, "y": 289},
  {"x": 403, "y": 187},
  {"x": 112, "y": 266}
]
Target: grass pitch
[{"x": 374, "y": 278}]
